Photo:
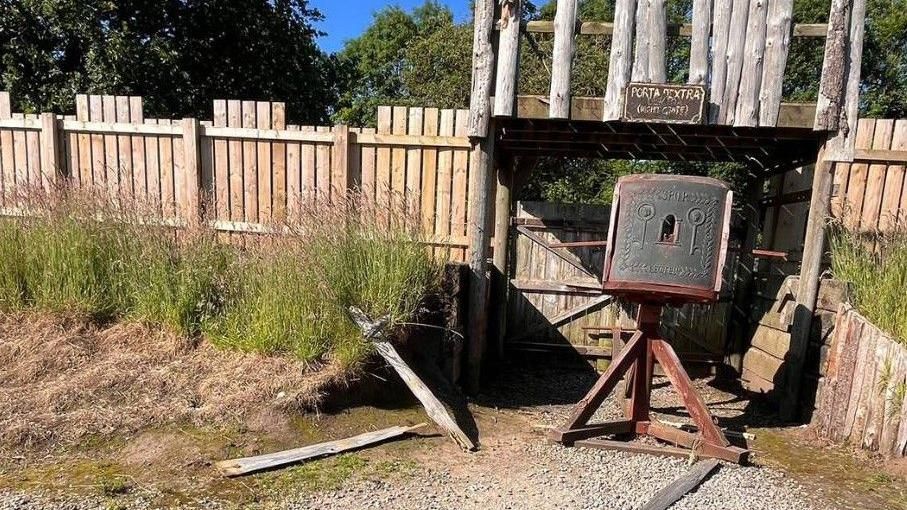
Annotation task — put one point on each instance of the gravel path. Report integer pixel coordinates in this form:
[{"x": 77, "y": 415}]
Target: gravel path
[
  {"x": 517, "y": 468},
  {"x": 553, "y": 477}
]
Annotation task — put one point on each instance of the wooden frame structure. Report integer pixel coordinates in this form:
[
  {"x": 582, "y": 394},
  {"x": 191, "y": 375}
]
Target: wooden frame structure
[{"x": 739, "y": 50}]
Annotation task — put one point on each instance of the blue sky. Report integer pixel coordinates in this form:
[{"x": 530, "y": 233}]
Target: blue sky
[{"x": 345, "y": 19}]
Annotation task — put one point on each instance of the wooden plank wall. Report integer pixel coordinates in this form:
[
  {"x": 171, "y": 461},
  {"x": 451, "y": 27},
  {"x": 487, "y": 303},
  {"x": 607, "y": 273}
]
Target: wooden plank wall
[
  {"x": 862, "y": 400},
  {"x": 255, "y": 170},
  {"x": 869, "y": 195}
]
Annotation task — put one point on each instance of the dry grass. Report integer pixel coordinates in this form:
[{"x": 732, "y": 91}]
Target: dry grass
[{"x": 66, "y": 379}]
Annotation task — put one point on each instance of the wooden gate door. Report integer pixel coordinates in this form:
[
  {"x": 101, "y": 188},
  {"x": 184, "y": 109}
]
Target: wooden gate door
[{"x": 555, "y": 302}]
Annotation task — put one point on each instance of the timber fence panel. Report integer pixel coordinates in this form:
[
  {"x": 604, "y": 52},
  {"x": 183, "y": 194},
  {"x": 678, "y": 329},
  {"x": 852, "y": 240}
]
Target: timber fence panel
[
  {"x": 244, "y": 169},
  {"x": 862, "y": 400}
]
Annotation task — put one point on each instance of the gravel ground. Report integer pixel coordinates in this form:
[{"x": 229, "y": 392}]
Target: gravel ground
[
  {"x": 517, "y": 468},
  {"x": 552, "y": 477}
]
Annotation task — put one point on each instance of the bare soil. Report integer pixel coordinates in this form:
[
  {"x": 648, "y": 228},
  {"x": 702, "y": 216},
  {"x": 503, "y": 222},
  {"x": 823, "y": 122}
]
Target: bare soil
[{"x": 127, "y": 417}]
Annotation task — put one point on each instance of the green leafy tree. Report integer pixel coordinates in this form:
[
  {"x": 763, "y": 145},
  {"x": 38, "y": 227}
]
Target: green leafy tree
[
  {"x": 179, "y": 55},
  {"x": 418, "y": 57}
]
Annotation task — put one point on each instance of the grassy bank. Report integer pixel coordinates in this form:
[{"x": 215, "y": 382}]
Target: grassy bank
[
  {"x": 284, "y": 295},
  {"x": 876, "y": 266}
]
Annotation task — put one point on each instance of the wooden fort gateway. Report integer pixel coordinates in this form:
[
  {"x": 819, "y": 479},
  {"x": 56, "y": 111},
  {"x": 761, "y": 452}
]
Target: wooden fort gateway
[{"x": 738, "y": 54}]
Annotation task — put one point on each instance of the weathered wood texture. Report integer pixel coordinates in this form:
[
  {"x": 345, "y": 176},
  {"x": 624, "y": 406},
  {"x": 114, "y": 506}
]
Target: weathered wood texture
[
  {"x": 620, "y": 64},
  {"x": 868, "y": 194},
  {"x": 247, "y": 465},
  {"x": 373, "y": 331},
  {"x": 841, "y": 147},
  {"x": 777, "y": 45},
  {"x": 747, "y": 113},
  {"x": 246, "y": 170},
  {"x": 562, "y": 60},
  {"x": 666, "y": 497},
  {"x": 483, "y": 59},
  {"x": 555, "y": 300},
  {"x": 508, "y": 58},
  {"x": 862, "y": 401},
  {"x": 699, "y": 44}
]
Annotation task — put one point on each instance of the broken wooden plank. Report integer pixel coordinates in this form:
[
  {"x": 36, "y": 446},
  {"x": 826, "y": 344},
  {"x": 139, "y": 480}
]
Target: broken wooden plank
[
  {"x": 373, "y": 332},
  {"x": 679, "y": 487},
  {"x": 246, "y": 465}
]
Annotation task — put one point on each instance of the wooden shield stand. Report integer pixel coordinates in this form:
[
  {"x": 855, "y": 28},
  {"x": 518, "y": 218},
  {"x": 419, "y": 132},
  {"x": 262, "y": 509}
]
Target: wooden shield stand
[{"x": 637, "y": 360}]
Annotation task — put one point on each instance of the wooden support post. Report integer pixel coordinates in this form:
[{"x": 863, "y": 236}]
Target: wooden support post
[
  {"x": 507, "y": 74},
  {"x": 641, "y": 48},
  {"x": 721, "y": 27},
  {"x": 810, "y": 271},
  {"x": 51, "y": 166},
  {"x": 842, "y": 146},
  {"x": 699, "y": 44},
  {"x": 658, "y": 34},
  {"x": 740, "y": 332},
  {"x": 562, "y": 59},
  {"x": 831, "y": 86},
  {"x": 777, "y": 45},
  {"x": 620, "y": 64},
  {"x": 747, "y": 113},
  {"x": 340, "y": 164},
  {"x": 479, "y": 237},
  {"x": 192, "y": 170},
  {"x": 735, "y": 49},
  {"x": 482, "y": 69},
  {"x": 502, "y": 212}
]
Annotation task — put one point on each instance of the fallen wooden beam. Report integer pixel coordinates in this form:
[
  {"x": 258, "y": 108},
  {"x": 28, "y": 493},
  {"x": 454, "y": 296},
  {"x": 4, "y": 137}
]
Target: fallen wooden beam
[
  {"x": 373, "y": 332},
  {"x": 246, "y": 465},
  {"x": 679, "y": 487}
]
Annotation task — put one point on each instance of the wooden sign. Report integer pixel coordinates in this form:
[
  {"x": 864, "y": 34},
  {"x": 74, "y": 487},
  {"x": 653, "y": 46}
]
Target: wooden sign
[{"x": 659, "y": 102}]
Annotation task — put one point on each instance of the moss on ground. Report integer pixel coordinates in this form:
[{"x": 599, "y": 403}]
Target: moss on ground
[{"x": 858, "y": 482}]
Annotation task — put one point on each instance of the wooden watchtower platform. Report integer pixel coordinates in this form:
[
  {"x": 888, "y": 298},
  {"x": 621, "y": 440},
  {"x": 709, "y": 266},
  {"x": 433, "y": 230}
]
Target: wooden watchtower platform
[{"x": 738, "y": 55}]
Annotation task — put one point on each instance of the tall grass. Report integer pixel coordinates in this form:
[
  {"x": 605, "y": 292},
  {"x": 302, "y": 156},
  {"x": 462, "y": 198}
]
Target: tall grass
[
  {"x": 292, "y": 295},
  {"x": 876, "y": 266},
  {"x": 286, "y": 295}
]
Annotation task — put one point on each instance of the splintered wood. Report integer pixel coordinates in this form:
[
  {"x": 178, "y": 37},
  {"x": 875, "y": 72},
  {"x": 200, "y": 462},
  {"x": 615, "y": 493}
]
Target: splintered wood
[
  {"x": 246, "y": 465},
  {"x": 373, "y": 331}
]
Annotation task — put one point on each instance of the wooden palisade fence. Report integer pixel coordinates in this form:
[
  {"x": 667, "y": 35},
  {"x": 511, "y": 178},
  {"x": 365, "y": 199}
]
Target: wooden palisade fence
[
  {"x": 863, "y": 397},
  {"x": 246, "y": 167}
]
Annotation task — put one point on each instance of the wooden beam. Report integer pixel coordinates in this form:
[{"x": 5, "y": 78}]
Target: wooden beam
[
  {"x": 508, "y": 63},
  {"x": 482, "y": 68},
  {"x": 777, "y": 45},
  {"x": 658, "y": 22},
  {"x": 192, "y": 171},
  {"x": 562, "y": 59},
  {"x": 699, "y": 45},
  {"x": 898, "y": 156},
  {"x": 532, "y": 236},
  {"x": 721, "y": 27},
  {"x": 677, "y": 489},
  {"x": 51, "y": 167},
  {"x": 620, "y": 64},
  {"x": 373, "y": 332},
  {"x": 808, "y": 291},
  {"x": 817, "y": 30},
  {"x": 735, "y": 53},
  {"x": 482, "y": 162},
  {"x": 246, "y": 465},
  {"x": 641, "y": 44},
  {"x": 792, "y": 115},
  {"x": 502, "y": 210},
  {"x": 747, "y": 113},
  {"x": 831, "y": 86},
  {"x": 841, "y": 147}
]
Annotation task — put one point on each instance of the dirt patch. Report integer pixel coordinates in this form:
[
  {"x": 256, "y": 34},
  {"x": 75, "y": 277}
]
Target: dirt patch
[{"x": 65, "y": 380}]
